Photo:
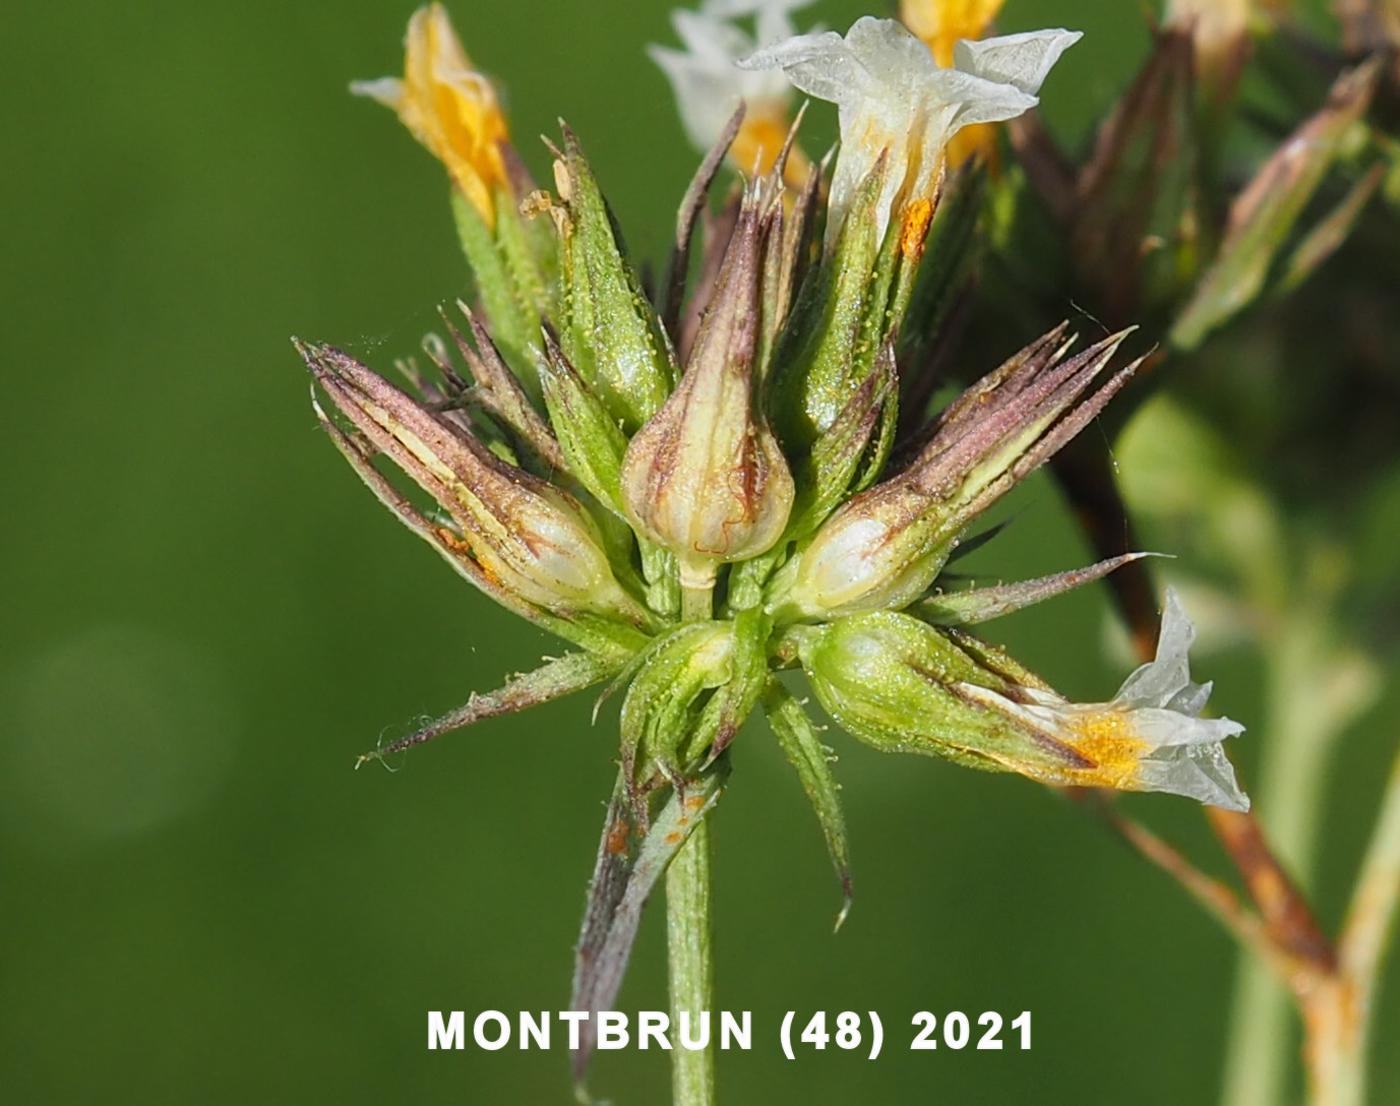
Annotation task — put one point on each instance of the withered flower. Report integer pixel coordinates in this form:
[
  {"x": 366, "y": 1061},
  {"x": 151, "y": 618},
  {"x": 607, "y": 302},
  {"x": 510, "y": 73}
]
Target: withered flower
[{"x": 449, "y": 106}]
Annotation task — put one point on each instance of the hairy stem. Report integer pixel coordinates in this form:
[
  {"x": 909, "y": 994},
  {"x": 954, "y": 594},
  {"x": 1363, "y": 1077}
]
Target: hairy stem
[{"x": 688, "y": 940}]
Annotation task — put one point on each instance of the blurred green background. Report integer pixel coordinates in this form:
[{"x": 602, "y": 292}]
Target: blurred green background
[{"x": 206, "y": 619}]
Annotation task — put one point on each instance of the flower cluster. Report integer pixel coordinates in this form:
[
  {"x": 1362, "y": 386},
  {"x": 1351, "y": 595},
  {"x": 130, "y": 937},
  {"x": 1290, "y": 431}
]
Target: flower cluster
[
  {"x": 699, "y": 486},
  {"x": 707, "y": 495}
]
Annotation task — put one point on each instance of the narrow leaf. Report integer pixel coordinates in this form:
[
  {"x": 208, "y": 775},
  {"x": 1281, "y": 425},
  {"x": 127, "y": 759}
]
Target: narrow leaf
[
  {"x": 798, "y": 739},
  {"x": 964, "y": 608},
  {"x": 1326, "y": 238},
  {"x": 558, "y": 677},
  {"x": 513, "y": 324},
  {"x": 673, "y": 287}
]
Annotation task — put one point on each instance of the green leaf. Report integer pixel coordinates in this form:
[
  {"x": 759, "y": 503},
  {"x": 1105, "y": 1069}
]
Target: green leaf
[
  {"x": 798, "y": 739},
  {"x": 557, "y": 677},
  {"x": 514, "y": 325},
  {"x": 1327, "y": 236},
  {"x": 965, "y": 608}
]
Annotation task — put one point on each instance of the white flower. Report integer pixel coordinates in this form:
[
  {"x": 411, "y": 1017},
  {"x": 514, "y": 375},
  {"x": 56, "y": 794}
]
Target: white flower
[
  {"x": 1150, "y": 737},
  {"x": 707, "y": 83},
  {"x": 892, "y": 95}
]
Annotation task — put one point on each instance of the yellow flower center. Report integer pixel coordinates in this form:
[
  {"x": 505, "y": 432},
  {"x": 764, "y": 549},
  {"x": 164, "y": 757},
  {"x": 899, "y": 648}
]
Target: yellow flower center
[
  {"x": 1105, "y": 737},
  {"x": 940, "y": 23}
]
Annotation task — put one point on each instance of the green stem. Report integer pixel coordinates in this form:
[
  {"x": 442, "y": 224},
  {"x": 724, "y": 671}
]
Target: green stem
[
  {"x": 688, "y": 940},
  {"x": 697, "y": 603}
]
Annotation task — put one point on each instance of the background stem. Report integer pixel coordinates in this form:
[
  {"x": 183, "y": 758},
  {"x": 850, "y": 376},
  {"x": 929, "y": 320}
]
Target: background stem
[
  {"x": 1290, "y": 780},
  {"x": 688, "y": 939}
]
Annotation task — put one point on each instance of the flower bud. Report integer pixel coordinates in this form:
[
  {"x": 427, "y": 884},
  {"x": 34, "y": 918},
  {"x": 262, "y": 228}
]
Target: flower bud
[
  {"x": 609, "y": 332},
  {"x": 885, "y": 546},
  {"x": 704, "y": 477},
  {"x": 881, "y": 550},
  {"x": 903, "y": 686},
  {"x": 519, "y": 533}
]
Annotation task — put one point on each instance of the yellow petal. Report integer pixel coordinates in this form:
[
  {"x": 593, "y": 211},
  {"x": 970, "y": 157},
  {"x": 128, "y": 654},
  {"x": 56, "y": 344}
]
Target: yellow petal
[
  {"x": 940, "y": 23},
  {"x": 760, "y": 138},
  {"x": 978, "y": 140},
  {"x": 449, "y": 107}
]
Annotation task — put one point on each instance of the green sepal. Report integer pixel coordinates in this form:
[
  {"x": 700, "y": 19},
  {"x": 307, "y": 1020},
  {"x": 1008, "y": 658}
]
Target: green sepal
[
  {"x": 850, "y": 453},
  {"x": 733, "y": 702},
  {"x": 556, "y": 678},
  {"x": 530, "y": 250},
  {"x": 949, "y": 252},
  {"x": 514, "y": 324},
  {"x": 661, "y": 709},
  {"x": 817, "y": 362},
  {"x": 662, "y": 573},
  {"x": 891, "y": 681},
  {"x": 789, "y": 250},
  {"x": 589, "y": 437},
  {"x": 610, "y": 333},
  {"x": 800, "y": 743},
  {"x": 966, "y": 608}
]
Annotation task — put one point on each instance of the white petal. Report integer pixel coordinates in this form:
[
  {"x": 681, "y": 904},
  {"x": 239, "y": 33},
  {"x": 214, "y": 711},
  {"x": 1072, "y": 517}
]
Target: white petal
[
  {"x": 1157, "y": 683},
  {"x": 977, "y": 100},
  {"x": 705, "y": 97},
  {"x": 886, "y": 48},
  {"x": 1166, "y": 728},
  {"x": 1201, "y": 772},
  {"x": 821, "y": 65},
  {"x": 387, "y": 90},
  {"x": 1022, "y": 61},
  {"x": 710, "y": 39}
]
